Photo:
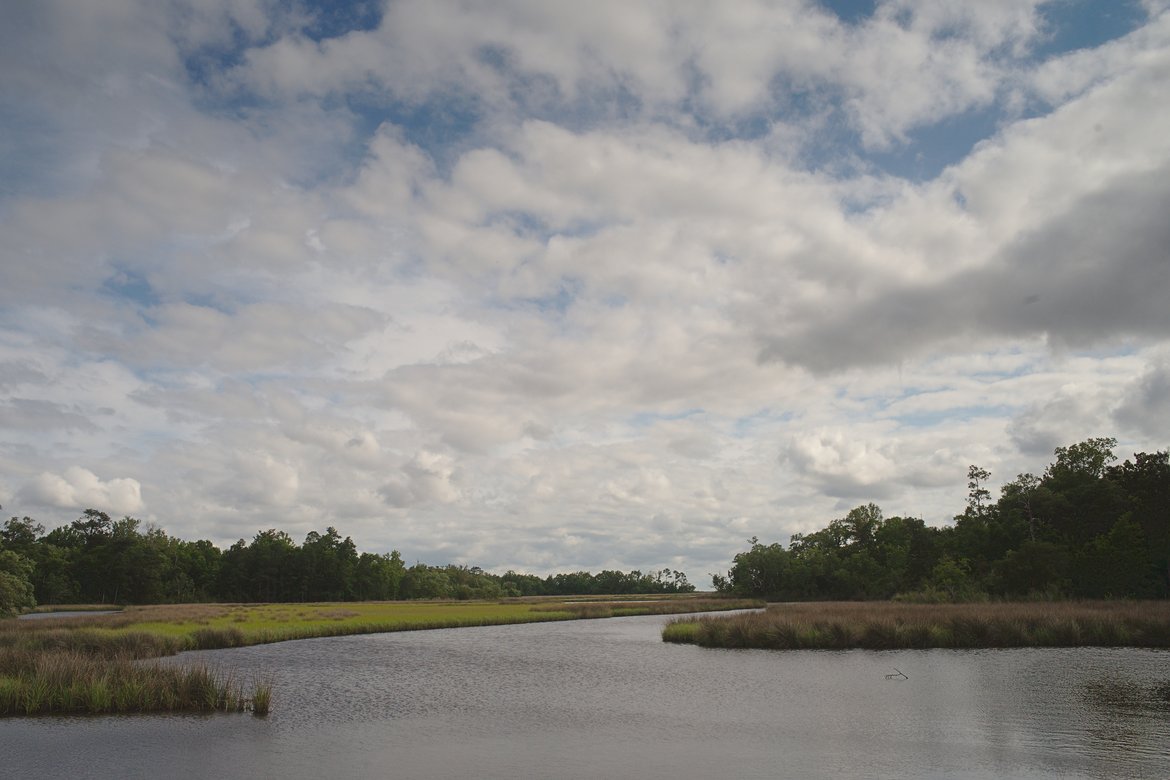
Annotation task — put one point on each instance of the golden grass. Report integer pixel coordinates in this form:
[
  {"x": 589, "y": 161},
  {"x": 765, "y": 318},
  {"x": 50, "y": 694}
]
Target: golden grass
[{"x": 890, "y": 625}]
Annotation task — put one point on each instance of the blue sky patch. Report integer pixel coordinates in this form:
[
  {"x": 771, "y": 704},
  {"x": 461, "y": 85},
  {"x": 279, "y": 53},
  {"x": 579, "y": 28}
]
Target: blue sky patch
[
  {"x": 851, "y": 11},
  {"x": 132, "y": 286},
  {"x": 1083, "y": 24}
]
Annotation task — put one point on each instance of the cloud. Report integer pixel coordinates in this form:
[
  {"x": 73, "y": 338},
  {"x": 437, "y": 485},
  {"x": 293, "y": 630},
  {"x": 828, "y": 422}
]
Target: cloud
[
  {"x": 1086, "y": 269},
  {"x": 428, "y": 477},
  {"x": 79, "y": 488},
  {"x": 1093, "y": 276},
  {"x": 260, "y": 479},
  {"x": 1145, "y": 406},
  {"x": 32, "y": 415},
  {"x": 844, "y": 466},
  {"x": 909, "y": 64},
  {"x": 547, "y": 286}
]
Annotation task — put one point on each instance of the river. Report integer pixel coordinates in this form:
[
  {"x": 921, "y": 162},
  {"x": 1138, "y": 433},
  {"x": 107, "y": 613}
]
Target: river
[{"x": 608, "y": 699}]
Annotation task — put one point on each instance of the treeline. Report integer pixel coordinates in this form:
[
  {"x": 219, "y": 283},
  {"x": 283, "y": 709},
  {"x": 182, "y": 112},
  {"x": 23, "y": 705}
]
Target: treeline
[
  {"x": 98, "y": 560},
  {"x": 1086, "y": 528}
]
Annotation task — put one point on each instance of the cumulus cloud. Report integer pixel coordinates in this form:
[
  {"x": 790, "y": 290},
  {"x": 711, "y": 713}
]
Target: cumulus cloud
[
  {"x": 428, "y": 477},
  {"x": 79, "y": 488},
  {"x": 1088, "y": 266},
  {"x": 908, "y": 64},
  {"x": 844, "y": 466},
  {"x": 545, "y": 286},
  {"x": 1145, "y": 406}
]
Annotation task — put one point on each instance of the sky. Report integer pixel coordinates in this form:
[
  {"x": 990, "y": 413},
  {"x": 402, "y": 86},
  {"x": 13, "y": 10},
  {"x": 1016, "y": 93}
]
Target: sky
[{"x": 554, "y": 286}]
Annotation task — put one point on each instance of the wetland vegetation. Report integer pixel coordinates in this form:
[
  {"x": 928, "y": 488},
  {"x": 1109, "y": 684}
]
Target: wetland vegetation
[
  {"x": 101, "y": 663},
  {"x": 899, "y": 625}
]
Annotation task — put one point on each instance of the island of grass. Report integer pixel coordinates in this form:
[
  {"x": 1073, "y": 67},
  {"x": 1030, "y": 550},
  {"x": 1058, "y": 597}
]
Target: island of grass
[
  {"x": 100, "y": 664},
  {"x": 895, "y": 625}
]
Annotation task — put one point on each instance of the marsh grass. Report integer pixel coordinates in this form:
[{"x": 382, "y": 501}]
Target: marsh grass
[
  {"x": 607, "y": 609},
  {"x": 261, "y": 697},
  {"x": 45, "y": 609},
  {"x": 75, "y": 682},
  {"x": 890, "y": 625},
  {"x": 101, "y": 663}
]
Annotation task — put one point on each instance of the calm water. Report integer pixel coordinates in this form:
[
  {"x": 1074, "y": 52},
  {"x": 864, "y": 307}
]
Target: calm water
[
  {"x": 607, "y": 698},
  {"x": 65, "y": 614}
]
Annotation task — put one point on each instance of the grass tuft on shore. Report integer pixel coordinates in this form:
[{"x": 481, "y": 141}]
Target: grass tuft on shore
[
  {"x": 74, "y": 682},
  {"x": 890, "y": 625}
]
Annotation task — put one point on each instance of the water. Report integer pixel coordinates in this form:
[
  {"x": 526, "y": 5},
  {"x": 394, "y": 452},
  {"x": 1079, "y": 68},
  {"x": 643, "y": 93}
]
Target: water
[
  {"x": 65, "y": 614},
  {"x": 606, "y": 698}
]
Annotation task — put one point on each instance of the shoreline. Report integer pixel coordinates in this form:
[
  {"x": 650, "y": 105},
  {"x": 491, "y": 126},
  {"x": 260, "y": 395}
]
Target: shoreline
[
  {"x": 94, "y": 664},
  {"x": 898, "y": 626}
]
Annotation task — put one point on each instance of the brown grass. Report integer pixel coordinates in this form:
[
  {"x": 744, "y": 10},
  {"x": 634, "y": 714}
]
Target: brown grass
[
  {"x": 889, "y": 625},
  {"x": 611, "y": 608}
]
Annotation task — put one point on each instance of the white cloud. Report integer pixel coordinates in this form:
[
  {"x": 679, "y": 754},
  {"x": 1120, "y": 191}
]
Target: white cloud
[
  {"x": 551, "y": 287},
  {"x": 79, "y": 488},
  {"x": 911, "y": 63},
  {"x": 429, "y": 477}
]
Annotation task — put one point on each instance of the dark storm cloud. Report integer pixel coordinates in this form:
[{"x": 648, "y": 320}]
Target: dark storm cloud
[{"x": 1098, "y": 272}]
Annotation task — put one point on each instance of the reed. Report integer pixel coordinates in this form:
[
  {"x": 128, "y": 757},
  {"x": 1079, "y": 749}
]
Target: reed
[
  {"x": 261, "y": 697},
  {"x": 73, "y": 682},
  {"x": 890, "y": 625}
]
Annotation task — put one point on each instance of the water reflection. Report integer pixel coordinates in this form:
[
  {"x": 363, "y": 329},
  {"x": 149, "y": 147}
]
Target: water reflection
[{"x": 609, "y": 699}]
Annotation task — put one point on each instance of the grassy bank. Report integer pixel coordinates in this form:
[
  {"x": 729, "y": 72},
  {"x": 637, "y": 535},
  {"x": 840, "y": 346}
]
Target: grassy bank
[
  {"x": 888, "y": 626},
  {"x": 96, "y": 664},
  {"x": 48, "y": 609}
]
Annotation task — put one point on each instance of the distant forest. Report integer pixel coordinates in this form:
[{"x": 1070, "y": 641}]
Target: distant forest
[
  {"x": 97, "y": 560},
  {"x": 1088, "y": 527}
]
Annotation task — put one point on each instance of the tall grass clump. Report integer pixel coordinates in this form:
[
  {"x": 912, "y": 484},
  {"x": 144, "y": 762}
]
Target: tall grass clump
[
  {"x": 261, "y": 697},
  {"x": 69, "y": 682},
  {"x": 890, "y": 625},
  {"x": 63, "y": 667}
]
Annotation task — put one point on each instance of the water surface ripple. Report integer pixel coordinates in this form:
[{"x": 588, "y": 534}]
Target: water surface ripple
[{"x": 606, "y": 698}]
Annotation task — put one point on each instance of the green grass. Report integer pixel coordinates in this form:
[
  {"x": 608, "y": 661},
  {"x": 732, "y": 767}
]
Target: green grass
[
  {"x": 96, "y": 664},
  {"x": 72, "y": 682},
  {"x": 889, "y": 625}
]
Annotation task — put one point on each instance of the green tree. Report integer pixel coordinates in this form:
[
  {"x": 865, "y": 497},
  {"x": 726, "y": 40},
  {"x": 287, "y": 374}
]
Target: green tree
[
  {"x": 16, "y": 590},
  {"x": 977, "y": 494},
  {"x": 1090, "y": 503},
  {"x": 424, "y": 582},
  {"x": 1116, "y": 564},
  {"x": 200, "y": 561},
  {"x": 906, "y": 550},
  {"x": 328, "y": 563},
  {"x": 378, "y": 577},
  {"x": 20, "y": 535},
  {"x": 53, "y": 574},
  {"x": 1034, "y": 569},
  {"x": 760, "y": 572},
  {"x": 1145, "y": 482},
  {"x": 952, "y": 581},
  {"x": 522, "y": 584}
]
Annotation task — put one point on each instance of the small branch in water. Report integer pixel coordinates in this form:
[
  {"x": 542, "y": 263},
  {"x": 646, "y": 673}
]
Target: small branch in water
[{"x": 897, "y": 675}]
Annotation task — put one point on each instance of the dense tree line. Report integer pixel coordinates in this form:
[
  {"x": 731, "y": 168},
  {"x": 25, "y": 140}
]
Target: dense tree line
[
  {"x": 96, "y": 559},
  {"x": 1086, "y": 528}
]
